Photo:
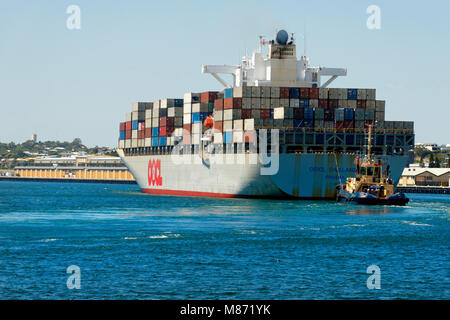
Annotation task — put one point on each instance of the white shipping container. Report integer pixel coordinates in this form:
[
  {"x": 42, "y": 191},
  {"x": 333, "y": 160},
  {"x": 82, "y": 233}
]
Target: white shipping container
[
  {"x": 294, "y": 103},
  {"x": 333, "y": 93},
  {"x": 187, "y": 108},
  {"x": 175, "y": 112},
  {"x": 137, "y": 115},
  {"x": 200, "y": 107},
  {"x": 218, "y": 115},
  {"x": 249, "y": 124},
  {"x": 197, "y": 127},
  {"x": 238, "y": 136},
  {"x": 195, "y": 138},
  {"x": 156, "y": 104},
  {"x": 128, "y": 117},
  {"x": 238, "y": 124},
  {"x": 187, "y": 118},
  {"x": 121, "y": 144},
  {"x": 170, "y": 141},
  {"x": 155, "y": 112},
  {"x": 191, "y": 97},
  {"x": 134, "y": 143},
  {"x": 128, "y": 143},
  {"x": 228, "y": 125},
  {"x": 148, "y": 114},
  {"x": 148, "y": 123},
  {"x": 237, "y": 92},
  {"x": 155, "y": 123},
  {"x": 218, "y": 137},
  {"x": 134, "y": 134},
  {"x": 178, "y": 132},
  {"x": 147, "y": 142}
]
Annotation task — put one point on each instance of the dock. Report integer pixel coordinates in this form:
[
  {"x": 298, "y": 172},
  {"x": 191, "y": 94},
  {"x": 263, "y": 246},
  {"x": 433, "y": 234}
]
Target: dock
[
  {"x": 424, "y": 189},
  {"x": 69, "y": 180}
]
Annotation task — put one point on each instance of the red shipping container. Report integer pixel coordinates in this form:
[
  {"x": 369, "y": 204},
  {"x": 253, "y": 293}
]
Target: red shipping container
[
  {"x": 284, "y": 93},
  {"x": 333, "y": 103},
  {"x": 170, "y": 121},
  {"x": 304, "y": 93},
  {"x": 314, "y": 93},
  {"x": 361, "y": 104},
  {"x": 162, "y": 121},
  {"x": 148, "y": 132},
  {"x": 246, "y": 113},
  {"x": 218, "y": 104},
  {"x": 128, "y": 125},
  {"x": 170, "y": 130},
  {"x": 187, "y": 127},
  {"x": 349, "y": 124},
  {"x": 208, "y": 96},
  {"x": 218, "y": 125},
  {"x": 323, "y": 103},
  {"x": 339, "y": 126},
  {"x": 122, "y": 126},
  {"x": 162, "y": 131},
  {"x": 141, "y": 134},
  {"x": 128, "y": 134},
  {"x": 265, "y": 114},
  {"x": 232, "y": 103}
]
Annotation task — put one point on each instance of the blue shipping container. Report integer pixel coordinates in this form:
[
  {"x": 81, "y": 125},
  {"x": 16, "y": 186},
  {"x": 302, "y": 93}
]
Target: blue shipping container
[
  {"x": 199, "y": 116},
  {"x": 308, "y": 113},
  {"x": 303, "y": 123},
  {"x": 228, "y": 93},
  {"x": 178, "y": 103},
  {"x": 162, "y": 141},
  {"x": 122, "y": 135},
  {"x": 228, "y": 137},
  {"x": 349, "y": 114},
  {"x": 352, "y": 94},
  {"x": 154, "y": 142},
  {"x": 304, "y": 102},
  {"x": 155, "y": 132},
  {"x": 349, "y": 139},
  {"x": 134, "y": 125},
  {"x": 294, "y": 93}
]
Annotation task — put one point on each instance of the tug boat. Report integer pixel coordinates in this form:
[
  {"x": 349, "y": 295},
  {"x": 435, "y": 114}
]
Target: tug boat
[{"x": 371, "y": 185}]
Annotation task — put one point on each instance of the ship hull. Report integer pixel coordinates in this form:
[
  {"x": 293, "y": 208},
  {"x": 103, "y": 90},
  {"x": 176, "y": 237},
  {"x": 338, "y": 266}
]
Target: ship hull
[{"x": 300, "y": 176}]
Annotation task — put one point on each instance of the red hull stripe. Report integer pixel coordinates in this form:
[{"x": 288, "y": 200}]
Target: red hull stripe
[{"x": 183, "y": 193}]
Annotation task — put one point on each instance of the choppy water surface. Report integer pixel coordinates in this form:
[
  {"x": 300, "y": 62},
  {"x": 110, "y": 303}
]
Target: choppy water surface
[{"x": 133, "y": 246}]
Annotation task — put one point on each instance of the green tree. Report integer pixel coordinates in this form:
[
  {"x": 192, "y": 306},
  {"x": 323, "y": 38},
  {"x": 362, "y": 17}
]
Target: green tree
[{"x": 431, "y": 161}]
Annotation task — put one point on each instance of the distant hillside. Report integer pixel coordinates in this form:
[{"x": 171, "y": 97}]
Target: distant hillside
[{"x": 9, "y": 152}]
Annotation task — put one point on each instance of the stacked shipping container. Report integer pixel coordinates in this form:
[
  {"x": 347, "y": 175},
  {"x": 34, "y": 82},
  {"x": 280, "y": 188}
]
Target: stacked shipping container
[{"x": 239, "y": 111}]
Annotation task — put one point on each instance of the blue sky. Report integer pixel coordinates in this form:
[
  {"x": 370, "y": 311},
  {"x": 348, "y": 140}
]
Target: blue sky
[{"x": 62, "y": 83}]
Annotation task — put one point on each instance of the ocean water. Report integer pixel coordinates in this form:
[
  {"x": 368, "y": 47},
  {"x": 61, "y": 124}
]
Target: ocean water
[{"x": 128, "y": 245}]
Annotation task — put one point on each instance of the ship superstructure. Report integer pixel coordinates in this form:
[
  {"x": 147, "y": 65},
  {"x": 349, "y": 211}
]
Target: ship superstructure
[{"x": 278, "y": 131}]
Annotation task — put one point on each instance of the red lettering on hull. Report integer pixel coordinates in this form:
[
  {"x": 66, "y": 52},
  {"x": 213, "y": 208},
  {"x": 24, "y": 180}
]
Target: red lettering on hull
[{"x": 154, "y": 173}]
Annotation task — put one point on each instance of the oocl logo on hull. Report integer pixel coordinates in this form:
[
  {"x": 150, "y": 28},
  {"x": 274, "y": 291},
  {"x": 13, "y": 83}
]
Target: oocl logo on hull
[{"x": 154, "y": 173}]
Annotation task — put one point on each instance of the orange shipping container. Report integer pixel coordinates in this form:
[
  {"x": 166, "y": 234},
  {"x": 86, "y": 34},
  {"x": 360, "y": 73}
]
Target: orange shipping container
[{"x": 232, "y": 103}]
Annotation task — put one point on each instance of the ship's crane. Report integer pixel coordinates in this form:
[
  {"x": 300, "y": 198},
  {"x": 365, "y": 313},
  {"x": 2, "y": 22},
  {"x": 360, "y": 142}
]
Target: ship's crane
[{"x": 279, "y": 68}]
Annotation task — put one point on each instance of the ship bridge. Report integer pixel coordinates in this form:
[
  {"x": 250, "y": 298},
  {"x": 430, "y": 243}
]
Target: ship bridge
[{"x": 279, "y": 67}]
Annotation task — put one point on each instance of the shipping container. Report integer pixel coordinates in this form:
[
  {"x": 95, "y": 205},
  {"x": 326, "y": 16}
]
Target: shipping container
[
  {"x": 218, "y": 104},
  {"x": 191, "y": 97},
  {"x": 352, "y": 94},
  {"x": 208, "y": 96},
  {"x": 228, "y": 93},
  {"x": 323, "y": 93},
  {"x": 232, "y": 103},
  {"x": 304, "y": 93},
  {"x": 155, "y": 132},
  {"x": 294, "y": 93}
]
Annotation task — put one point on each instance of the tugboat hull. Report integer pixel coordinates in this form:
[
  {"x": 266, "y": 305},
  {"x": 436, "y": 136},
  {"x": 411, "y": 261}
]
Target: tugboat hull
[{"x": 397, "y": 199}]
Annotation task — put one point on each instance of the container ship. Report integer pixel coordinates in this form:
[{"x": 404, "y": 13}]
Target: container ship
[{"x": 276, "y": 131}]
